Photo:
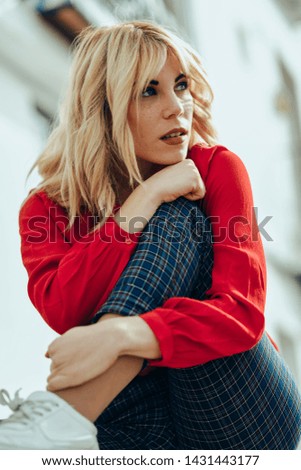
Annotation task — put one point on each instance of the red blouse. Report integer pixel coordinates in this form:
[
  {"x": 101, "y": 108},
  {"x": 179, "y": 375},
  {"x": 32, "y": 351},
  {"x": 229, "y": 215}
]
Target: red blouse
[{"x": 72, "y": 272}]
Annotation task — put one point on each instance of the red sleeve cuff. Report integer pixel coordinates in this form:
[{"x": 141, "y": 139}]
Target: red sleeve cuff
[{"x": 163, "y": 333}]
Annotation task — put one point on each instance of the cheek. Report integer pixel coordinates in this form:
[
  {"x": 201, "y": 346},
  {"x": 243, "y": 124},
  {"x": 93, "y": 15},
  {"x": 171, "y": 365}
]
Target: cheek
[
  {"x": 141, "y": 132},
  {"x": 132, "y": 121},
  {"x": 188, "y": 106},
  {"x": 145, "y": 124}
]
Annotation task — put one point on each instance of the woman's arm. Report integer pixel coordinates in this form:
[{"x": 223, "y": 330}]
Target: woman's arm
[
  {"x": 72, "y": 274},
  {"x": 186, "y": 332},
  {"x": 231, "y": 319},
  {"x": 83, "y": 353}
]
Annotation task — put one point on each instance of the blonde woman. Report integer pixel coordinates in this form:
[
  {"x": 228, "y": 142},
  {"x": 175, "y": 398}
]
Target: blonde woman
[{"x": 158, "y": 349}]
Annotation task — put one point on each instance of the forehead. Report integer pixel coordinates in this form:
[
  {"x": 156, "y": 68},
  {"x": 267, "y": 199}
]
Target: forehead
[
  {"x": 157, "y": 65},
  {"x": 171, "y": 68}
]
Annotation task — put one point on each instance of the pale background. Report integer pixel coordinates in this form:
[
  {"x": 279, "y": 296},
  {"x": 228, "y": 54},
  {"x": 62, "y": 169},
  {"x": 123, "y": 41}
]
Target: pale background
[{"x": 251, "y": 50}]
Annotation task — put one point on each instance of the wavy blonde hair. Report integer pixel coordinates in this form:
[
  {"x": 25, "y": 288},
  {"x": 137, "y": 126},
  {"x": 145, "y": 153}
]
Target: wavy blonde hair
[{"x": 91, "y": 150}]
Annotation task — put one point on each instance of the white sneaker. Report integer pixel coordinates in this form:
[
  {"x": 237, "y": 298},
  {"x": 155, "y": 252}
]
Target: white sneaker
[{"x": 44, "y": 421}]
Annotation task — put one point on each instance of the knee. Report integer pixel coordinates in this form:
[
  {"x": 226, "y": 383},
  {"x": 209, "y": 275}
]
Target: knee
[
  {"x": 181, "y": 220},
  {"x": 180, "y": 207}
]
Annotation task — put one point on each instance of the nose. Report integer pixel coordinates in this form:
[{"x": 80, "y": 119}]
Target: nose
[{"x": 172, "y": 106}]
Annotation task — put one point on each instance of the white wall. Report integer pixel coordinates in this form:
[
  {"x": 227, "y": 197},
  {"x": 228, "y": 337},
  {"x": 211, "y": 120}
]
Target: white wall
[
  {"x": 34, "y": 66},
  {"x": 240, "y": 42},
  {"x": 34, "y": 63}
]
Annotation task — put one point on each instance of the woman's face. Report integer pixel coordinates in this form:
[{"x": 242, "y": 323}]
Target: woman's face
[{"x": 165, "y": 108}]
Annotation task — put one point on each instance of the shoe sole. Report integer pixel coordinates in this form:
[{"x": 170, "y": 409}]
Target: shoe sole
[{"x": 7, "y": 447}]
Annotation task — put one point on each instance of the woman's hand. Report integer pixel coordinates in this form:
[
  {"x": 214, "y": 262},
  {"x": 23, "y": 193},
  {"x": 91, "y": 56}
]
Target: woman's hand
[
  {"x": 173, "y": 181},
  {"x": 180, "y": 179},
  {"x": 83, "y": 353}
]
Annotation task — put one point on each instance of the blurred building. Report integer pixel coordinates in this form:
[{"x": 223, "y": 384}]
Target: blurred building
[
  {"x": 251, "y": 50},
  {"x": 35, "y": 39}
]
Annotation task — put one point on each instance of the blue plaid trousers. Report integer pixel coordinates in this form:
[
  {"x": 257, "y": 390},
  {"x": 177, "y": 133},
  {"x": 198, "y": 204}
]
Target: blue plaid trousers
[{"x": 245, "y": 401}]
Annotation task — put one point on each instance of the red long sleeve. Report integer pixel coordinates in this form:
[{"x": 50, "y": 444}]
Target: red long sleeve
[
  {"x": 71, "y": 273},
  {"x": 192, "y": 332}
]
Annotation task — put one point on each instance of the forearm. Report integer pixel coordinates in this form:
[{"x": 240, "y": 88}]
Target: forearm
[
  {"x": 134, "y": 337},
  {"x": 69, "y": 275},
  {"x": 139, "y": 339},
  {"x": 138, "y": 209},
  {"x": 152, "y": 276}
]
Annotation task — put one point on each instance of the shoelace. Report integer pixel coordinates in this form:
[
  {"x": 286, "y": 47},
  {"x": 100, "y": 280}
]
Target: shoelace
[
  {"x": 6, "y": 400},
  {"x": 24, "y": 410}
]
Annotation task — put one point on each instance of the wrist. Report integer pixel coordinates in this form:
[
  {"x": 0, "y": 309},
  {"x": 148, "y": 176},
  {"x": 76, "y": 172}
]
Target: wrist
[
  {"x": 138, "y": 209},
  {"x": 136, "y": 338},
  {"x": 150, "y": 188},
  {"x": 108, "y": 327}
]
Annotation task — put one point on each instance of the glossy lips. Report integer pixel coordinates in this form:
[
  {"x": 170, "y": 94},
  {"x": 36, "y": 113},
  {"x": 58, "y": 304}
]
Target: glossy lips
[{"x": 174, "y": 136}]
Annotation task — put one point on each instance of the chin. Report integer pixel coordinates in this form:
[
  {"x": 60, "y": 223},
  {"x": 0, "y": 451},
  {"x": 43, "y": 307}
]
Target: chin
[{"x": 179, "y": 155}]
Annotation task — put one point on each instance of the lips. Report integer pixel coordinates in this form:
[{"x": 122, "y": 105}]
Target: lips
[{"x": 173, "y": 133}]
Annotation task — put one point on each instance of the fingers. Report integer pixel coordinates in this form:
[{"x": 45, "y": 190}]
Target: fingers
[
  {"x": 57, "y": 382},
  {"x": 62, "y": 374},
  {"x": 191, "y": 197},
  {"x": 51, "y": 349},
  {"x": 194, "y": 196},
  {"x": 56, "y": 378},
  {"x": 48, "y": 352},
  {"x": 61, "y": 377},
  {"x": 199, "y": 189}
]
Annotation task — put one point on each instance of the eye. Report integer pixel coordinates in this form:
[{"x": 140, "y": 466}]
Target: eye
[
  {"x": 149, "y": 91},
  {"x": 182, "y": 86}
]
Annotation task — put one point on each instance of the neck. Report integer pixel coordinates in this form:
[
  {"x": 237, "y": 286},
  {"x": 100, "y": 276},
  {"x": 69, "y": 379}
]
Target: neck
[
  {"x": 123, "y": 194},
  {"x": 147, "y": 169}
]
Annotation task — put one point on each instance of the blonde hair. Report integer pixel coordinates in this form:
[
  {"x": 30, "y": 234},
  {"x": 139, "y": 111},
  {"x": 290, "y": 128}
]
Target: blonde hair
[{"x": 91, "y": 151}]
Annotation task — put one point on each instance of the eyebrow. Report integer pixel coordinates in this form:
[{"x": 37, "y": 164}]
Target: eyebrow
[
  {"x": 179, "y": 77},
  {"x": 182, "y": 75}
]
